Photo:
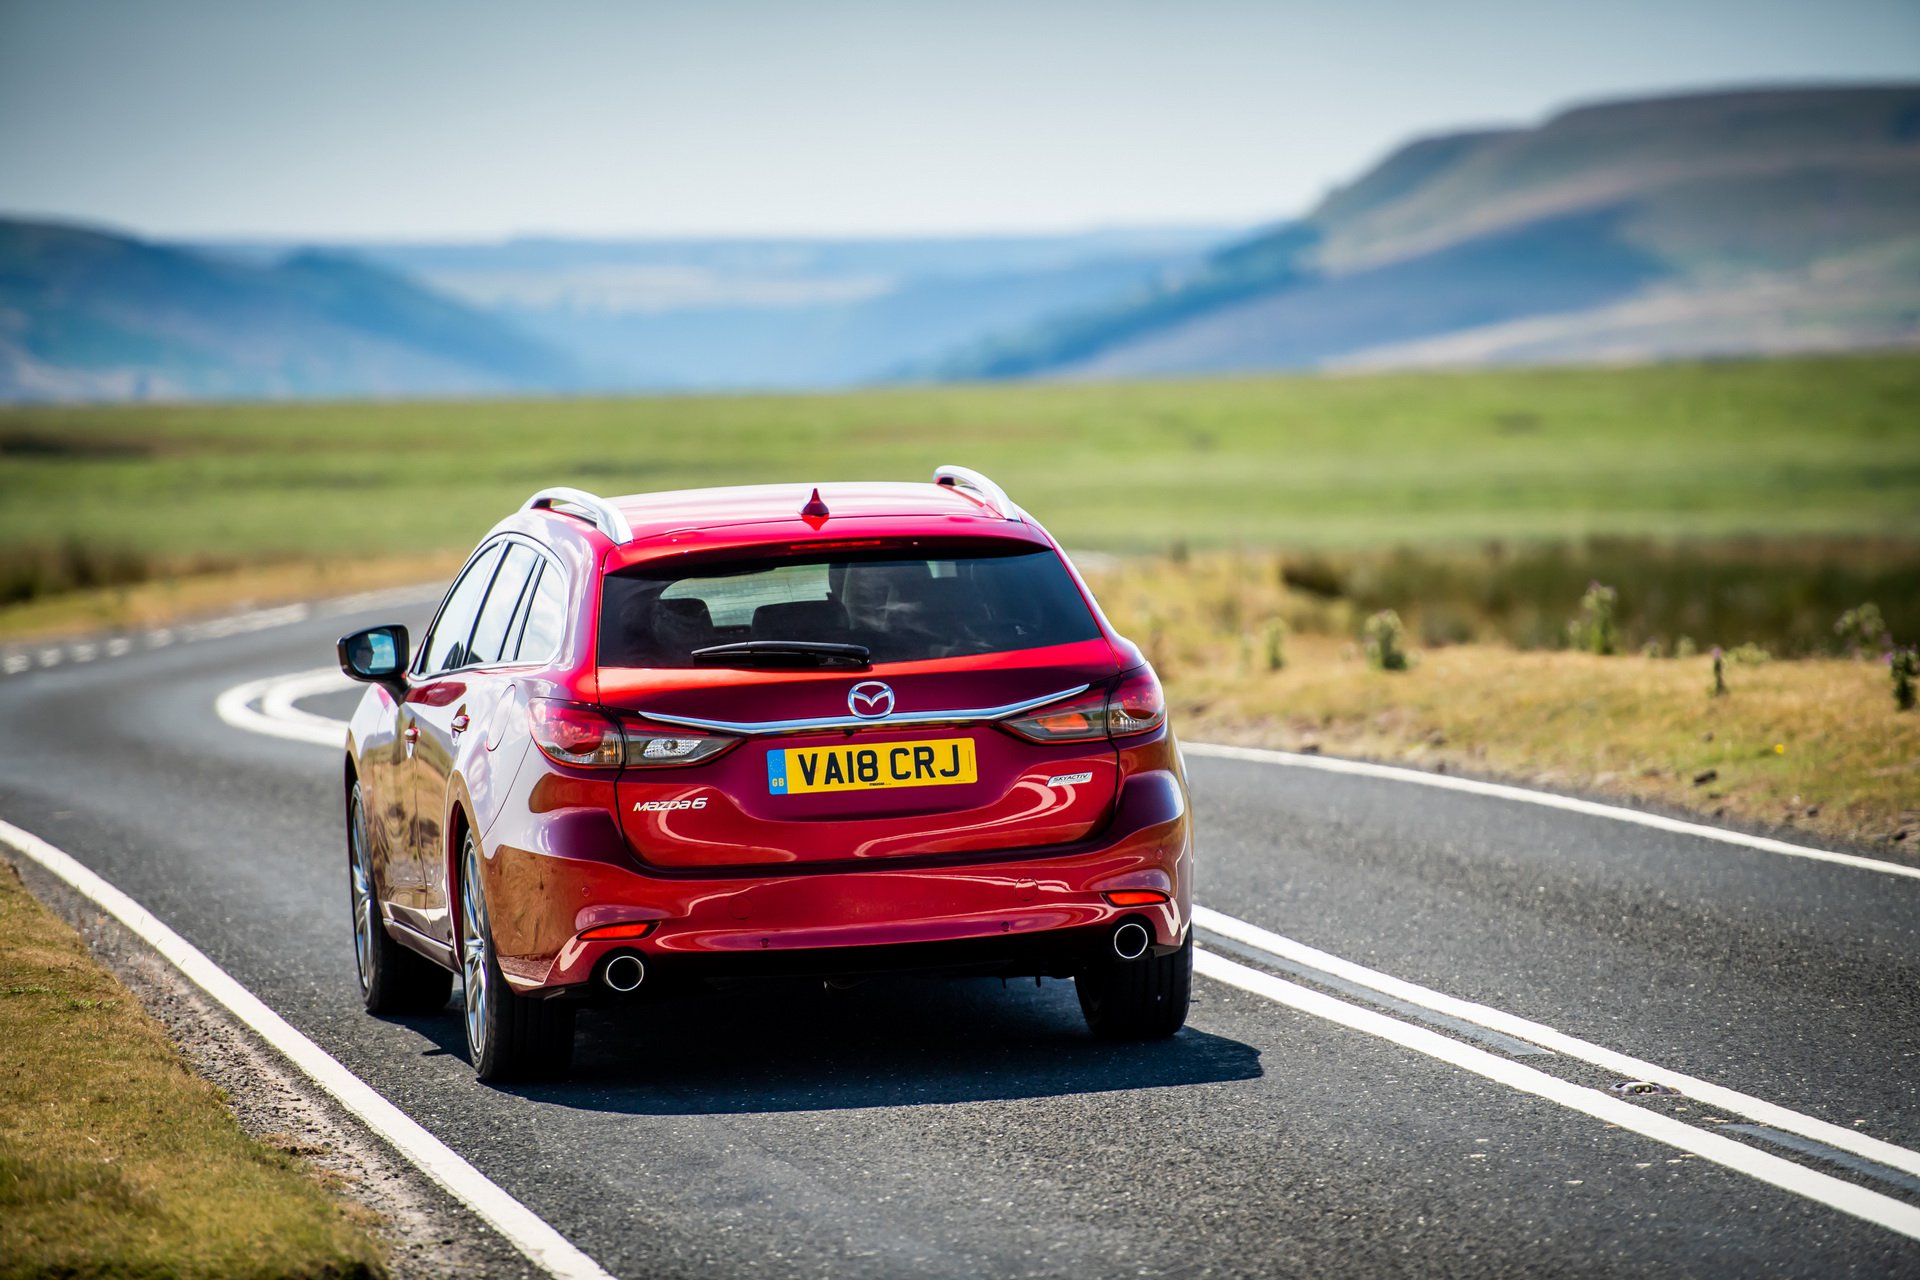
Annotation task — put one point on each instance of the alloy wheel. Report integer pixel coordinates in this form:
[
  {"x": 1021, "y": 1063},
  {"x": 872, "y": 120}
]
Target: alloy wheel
[
  {"x": 361, "y": 880},
  {"x": 473, "y": 948}
]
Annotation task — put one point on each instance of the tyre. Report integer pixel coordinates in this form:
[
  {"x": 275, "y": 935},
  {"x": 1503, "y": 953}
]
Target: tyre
[
  {"x": 509, "y": 1037},
  {"x": 1144, "y": 999},
  {"x": 392, "y": 978}
]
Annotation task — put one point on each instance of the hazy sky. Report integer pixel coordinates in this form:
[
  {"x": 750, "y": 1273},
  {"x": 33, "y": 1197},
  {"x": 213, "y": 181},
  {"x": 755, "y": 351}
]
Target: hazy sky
[{"x": 417, "y": 120}]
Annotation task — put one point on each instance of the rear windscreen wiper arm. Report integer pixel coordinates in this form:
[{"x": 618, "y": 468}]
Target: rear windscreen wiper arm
[{"x": 782, "y": 653}]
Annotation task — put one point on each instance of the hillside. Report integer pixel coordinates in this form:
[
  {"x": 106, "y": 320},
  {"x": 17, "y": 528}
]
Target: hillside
[
  {"x": 1708, "y": 224},
  {"x": 88, "y": 315}
]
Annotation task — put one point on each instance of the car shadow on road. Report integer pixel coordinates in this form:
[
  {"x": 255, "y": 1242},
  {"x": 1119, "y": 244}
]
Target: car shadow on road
[{"x": 792, "y": 1046}]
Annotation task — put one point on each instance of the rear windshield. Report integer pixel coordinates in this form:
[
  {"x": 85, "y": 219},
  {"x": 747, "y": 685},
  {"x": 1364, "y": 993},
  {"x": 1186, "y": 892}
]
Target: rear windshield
[{"x": 902, "y": 610}]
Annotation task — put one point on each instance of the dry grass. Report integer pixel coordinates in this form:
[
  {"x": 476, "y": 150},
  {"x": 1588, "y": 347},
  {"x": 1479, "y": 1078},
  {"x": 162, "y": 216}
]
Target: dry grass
[
  {"x": 170, "y": 600},
  {"x": 115, "y": 1158},
  {"x": 1814, "y": 744}
]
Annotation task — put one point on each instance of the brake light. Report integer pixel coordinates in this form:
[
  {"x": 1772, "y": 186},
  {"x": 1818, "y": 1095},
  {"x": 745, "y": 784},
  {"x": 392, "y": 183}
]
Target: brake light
[
  {"x": 1134, "y": 705},
  {"x": 575, "y": 735},
  {"x": 1137, "y": 706},
  {"x": 1135, "y": 897},
  {"x": 649, "y": 747}
]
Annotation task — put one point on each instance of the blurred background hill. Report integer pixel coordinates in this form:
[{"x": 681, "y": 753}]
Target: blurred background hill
[
  {"x": 1729, "y": 223},
  {"x": 89, "y": 315},
  {"x": 1726, "y": 223}
]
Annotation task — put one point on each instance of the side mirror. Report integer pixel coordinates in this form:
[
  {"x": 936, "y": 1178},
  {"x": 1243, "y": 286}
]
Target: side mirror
[{"x": 377, "y": 655}]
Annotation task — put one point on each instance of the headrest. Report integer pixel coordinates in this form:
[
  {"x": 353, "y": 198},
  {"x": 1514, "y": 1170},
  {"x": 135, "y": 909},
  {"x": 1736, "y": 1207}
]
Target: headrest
[{"x": 800, "y": 620}]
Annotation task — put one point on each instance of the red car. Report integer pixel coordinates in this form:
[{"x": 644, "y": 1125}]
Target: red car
[{"x": 864, "y": 728}]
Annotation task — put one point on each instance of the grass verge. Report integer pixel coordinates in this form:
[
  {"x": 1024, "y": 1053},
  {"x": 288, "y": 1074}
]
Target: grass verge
[
  {"x": 1813, "y": 743},
  {"x": 115, "y": 1158}
]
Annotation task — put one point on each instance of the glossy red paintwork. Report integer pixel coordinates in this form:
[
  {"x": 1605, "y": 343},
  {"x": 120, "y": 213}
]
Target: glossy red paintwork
[{"x": 564, "y": 849}]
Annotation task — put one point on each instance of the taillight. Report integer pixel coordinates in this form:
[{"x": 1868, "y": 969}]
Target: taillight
[
  {"x": 1134, "y": 705},
  {"x": 1081, "y": 720},
  {"x": 649, "y": 747},
  {"x": 1137, "y": 705},
  {"x": 575, "y": 735}
]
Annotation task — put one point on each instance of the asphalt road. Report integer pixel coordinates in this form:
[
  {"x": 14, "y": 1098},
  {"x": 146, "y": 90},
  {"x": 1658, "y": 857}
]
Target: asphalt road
[{"x": 967, "y": 1129}]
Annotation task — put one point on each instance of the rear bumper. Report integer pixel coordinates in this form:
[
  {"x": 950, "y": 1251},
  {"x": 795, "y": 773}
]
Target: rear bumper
[{"x": 1016, "y": 912}]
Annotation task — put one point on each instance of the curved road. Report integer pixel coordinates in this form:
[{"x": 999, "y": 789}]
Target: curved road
[{"x": 1306, "y": 1123}]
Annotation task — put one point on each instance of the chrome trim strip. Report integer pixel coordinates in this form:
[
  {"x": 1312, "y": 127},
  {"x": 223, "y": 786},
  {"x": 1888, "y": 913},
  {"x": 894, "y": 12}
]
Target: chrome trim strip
[
  {"x": 986, "y": 492},
  {"x": 603, "y": 515},
  {"x": 766, "y": 728}
]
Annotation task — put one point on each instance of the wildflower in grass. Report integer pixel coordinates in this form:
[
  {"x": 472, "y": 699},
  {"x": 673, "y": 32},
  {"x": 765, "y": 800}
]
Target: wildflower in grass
[
  {"x": 1386, "y": 638},
  {"x": 1593, "y": 629},
  {"x": 1684, "y": 647},
  {"x": 1719, "y": 673},
  {"x": 1276, "y": 645},
  {"x": 1905, "y": 666}
]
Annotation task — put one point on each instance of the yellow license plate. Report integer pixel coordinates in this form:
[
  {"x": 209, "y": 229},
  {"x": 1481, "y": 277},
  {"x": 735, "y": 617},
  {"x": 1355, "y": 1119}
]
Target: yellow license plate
[{"x": 934, "y": 762}]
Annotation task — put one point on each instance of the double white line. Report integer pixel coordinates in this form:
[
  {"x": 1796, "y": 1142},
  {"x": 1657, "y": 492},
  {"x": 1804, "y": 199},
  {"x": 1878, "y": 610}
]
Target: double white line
[{"x": 1823, "y": 1188}]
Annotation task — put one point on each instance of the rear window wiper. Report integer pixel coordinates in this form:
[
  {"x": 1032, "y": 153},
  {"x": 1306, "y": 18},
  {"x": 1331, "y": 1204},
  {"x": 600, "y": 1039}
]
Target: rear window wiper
[{"x": 783, "y": 653}]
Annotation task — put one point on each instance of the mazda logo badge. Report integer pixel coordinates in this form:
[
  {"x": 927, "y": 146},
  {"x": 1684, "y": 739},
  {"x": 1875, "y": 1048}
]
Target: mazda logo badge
[{"x": 870, "y": 700}]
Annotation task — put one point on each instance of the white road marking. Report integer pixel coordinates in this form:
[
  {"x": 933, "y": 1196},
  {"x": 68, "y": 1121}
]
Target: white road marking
[
  {"x": 524, "y": 1229},
  {"x": 1767, "y": 1113},
  {"x": 287, "y": 721},
  {"x": 231, "y": 625},
  {"x": 1546, "y": 799},
  {"x": 1797, "y": 1179}
]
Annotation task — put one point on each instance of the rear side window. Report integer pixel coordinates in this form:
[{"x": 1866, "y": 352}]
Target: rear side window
[
  {"x": 497, "y": 615},
  {"x": 904, "y": 609},
  {"x": 446, "y": 646},
  {"x": 546, "y": 617}
]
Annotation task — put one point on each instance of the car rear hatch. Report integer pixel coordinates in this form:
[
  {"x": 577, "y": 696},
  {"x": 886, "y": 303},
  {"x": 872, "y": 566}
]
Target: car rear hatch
[{"x": 818, "y": 757}]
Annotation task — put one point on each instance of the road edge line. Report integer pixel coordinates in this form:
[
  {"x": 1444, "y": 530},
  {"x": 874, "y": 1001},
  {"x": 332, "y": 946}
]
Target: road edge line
[
  {"x": 1545, "y": 799},
  {"x": 525, "y": 1230},
  {"x": 1762, "y": 1166}
]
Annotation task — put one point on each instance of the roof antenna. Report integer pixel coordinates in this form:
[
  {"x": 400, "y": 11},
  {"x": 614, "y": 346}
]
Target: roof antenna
[{"x": 815, "y": 509}]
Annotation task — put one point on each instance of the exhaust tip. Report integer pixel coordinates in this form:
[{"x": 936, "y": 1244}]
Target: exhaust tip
[
  {"x": 1131, "y": 940},
  {"x": 624, "y": 973}
]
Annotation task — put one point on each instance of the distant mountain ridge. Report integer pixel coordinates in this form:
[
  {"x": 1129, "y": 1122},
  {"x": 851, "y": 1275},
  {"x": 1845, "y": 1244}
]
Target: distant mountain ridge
[
  {"x": 1702, "y": 224},
  {"x": 88, "y": 314},
  {"x": 787, "y": 313}
]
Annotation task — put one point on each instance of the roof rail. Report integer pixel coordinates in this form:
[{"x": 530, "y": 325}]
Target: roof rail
[
  {"x": 600, "y": 513},
  {"x": 982, "y": 490}
]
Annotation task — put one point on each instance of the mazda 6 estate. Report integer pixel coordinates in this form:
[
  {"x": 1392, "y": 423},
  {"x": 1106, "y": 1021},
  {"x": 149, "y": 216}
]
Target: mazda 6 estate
[{"x": 653, "y": 743}]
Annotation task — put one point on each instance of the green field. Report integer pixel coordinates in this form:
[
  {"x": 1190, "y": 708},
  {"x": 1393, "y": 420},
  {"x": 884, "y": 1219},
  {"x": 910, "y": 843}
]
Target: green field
[{"x": 1776, "y": 449}]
